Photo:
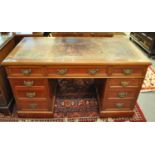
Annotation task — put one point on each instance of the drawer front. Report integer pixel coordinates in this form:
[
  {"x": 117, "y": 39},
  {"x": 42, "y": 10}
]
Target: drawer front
[
  {"x": 26, "y": 71},
  {"x": 125, "y": 83},
  {"x": 85, "y": 71},
  {"x": 128, "y": 71},
  {"x": 118, "y": 104},
  {"x": 30, "y": 93},
  {"x": 124, "y": 93},
  {"x": 33, "y": 105},
  {"x": 28, "y": 82}
]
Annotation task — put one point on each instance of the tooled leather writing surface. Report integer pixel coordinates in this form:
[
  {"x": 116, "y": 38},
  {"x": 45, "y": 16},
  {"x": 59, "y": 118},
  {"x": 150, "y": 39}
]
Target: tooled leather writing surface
[{"x": 66, "y": 50}]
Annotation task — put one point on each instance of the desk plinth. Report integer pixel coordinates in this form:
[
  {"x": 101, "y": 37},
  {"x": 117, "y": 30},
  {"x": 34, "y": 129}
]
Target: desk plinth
[{"x": 36, "y": 60}]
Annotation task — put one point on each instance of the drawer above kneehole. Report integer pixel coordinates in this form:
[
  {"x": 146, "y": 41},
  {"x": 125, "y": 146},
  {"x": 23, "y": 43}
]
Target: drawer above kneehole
[{"x": 78, "y": 71}]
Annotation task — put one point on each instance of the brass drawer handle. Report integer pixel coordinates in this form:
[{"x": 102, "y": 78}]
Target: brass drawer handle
[
  {"x": 122, "y": 94},
  {"x": 33, "y": 105},
  {"x": 119, "y": 105},
  {"x": 28, "y": 83},
  {"x": 26, "y": 71},
  {"x": 127, "y": 71},
  {"x": 30, "y": 94},
  {"x": 62, "y": 71},
  {"x": 93, "y": 71},
  {"x": 124, "y": 83}
]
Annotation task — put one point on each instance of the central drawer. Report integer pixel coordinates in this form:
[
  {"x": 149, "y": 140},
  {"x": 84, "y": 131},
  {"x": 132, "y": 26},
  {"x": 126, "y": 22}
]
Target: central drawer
[
  {"x": 77, "y": 71},
  {"x": 30, "y": 93}
]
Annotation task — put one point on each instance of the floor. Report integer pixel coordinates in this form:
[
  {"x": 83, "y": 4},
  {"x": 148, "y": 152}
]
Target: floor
[{"x": 146, "y": 100}]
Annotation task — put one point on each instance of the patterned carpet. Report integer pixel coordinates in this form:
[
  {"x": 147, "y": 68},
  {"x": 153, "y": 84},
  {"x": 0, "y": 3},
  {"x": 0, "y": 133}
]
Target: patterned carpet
[
  {"x": 137, "y": 117},
  {"x": 149, "y": 81},
  {"x": 76, "y": 102}
]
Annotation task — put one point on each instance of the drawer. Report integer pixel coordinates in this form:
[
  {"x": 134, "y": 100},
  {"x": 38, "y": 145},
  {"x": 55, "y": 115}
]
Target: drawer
[
  {"x": 125, "y": 82},
  {"x": 84, "y": 71},
  {"x": 25, "y": 71},
  {"x": 118, "y": 104},
  {"x": 128, "y": 71},
  {"x": 23, "y": 92},
  {"x": 123, "y": 93},
  {"x": 33, "y": 105},
  {"x": 28, "y": 82}
]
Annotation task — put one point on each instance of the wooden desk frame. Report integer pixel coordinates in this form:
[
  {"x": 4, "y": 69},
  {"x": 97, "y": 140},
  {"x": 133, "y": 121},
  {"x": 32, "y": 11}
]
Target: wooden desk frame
[{"x": 35, "y": 96}]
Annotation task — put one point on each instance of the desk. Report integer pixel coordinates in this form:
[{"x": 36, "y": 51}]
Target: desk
[{"x": 115, "y": 63}]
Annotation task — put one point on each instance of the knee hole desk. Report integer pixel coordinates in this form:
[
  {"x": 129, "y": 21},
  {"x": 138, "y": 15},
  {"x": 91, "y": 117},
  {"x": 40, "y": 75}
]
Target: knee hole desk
[{"x": 117, "y": 66}]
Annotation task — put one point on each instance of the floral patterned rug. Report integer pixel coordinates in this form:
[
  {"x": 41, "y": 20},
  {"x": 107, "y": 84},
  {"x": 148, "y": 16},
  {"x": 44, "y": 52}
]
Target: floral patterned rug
[
  {"x": 92, "y": 117},
  {"x": 149, "y": 81}
]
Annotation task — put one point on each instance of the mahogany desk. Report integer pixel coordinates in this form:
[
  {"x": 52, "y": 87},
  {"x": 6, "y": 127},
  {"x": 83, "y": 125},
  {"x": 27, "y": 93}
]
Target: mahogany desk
[{"x": 117, "y": 65}]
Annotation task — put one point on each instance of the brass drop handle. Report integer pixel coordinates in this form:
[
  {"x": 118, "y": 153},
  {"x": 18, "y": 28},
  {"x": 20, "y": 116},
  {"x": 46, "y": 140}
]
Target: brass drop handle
[
  {"x": 93, "y": 71},
  {"x": 28, "y": 83},
  {"x": 122, "y": 94},
  {"x": 127, "y": 71},
  {"x": 30, "y": 94},
  {"x": 26, "y": 71},
  {"x": 119, "y": 105},
  {"x": 62, "y": 71},
  {"x": 33, "y": 105},
  {"x": 124, "y": 83}
]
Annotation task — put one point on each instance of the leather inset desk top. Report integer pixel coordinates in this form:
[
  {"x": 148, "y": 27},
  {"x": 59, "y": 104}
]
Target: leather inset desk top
[{"x": 67, "y": 50}]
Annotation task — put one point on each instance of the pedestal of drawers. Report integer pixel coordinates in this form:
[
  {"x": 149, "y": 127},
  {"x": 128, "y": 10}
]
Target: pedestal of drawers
[
  {"x": 120, "y": 97},
  {"x": 33, "y": 97}
]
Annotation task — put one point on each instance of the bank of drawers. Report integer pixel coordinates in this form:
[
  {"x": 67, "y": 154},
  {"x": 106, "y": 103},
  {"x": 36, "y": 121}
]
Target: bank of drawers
[
  {"x": 121, "y": 93},
  {"x": 31, "y": 94},
  {"x": 76, "y": 71}
]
